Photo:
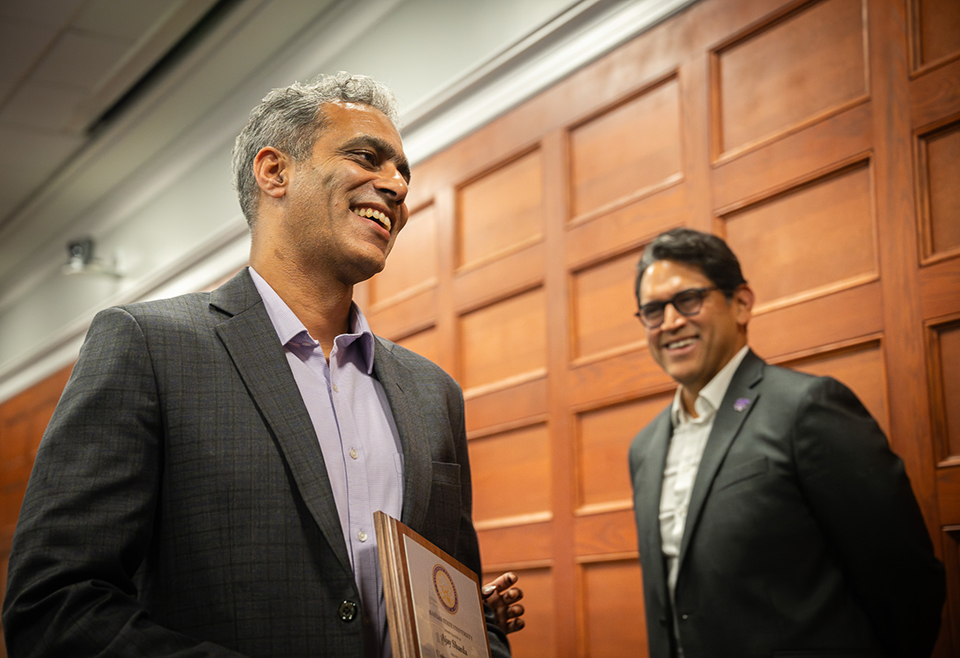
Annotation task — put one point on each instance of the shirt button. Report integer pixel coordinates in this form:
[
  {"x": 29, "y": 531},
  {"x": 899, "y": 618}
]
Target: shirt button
[
  {"x": 353, "y": 453},
  {"x": 362, "y": 535}
]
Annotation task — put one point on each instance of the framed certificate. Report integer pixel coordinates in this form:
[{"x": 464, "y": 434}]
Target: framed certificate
[{"x": 434, "y": 608}]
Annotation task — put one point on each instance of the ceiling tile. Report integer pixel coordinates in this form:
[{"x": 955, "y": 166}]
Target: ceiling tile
[
  {"x": 48, "y": 13},
  {"x": 80, "y": 60},
  {"x": 41, "y": 106},
  {"x": 39, "y": 155},
  {"x": 20, "y": 46},
  {"x": 127, "y": 19}
]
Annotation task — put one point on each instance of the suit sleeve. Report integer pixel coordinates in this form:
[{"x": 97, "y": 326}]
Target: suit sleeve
[
  {"x": 89, "y": 510},
  {"x": 861, "y": 496}
]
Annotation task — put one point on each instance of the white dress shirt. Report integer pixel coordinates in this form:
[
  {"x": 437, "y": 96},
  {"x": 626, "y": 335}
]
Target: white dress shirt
[{"x": 683, "y": 460}]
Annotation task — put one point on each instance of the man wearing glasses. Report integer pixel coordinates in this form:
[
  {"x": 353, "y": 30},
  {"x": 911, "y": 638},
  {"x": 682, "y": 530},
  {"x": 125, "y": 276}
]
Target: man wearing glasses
[{"x": 772, "y": 517}]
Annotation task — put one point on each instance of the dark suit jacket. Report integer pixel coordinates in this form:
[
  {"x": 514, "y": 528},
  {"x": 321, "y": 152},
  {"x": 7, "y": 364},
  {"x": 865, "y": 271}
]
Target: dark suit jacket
[
  {"x": 179, "y": 504},
  {"x": 802, "y": 535}
]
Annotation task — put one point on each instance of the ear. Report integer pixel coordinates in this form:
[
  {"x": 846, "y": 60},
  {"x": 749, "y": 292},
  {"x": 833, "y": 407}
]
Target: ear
[
  {"x": 742, "y": 303},
  {"x": 271, "y": 168}
]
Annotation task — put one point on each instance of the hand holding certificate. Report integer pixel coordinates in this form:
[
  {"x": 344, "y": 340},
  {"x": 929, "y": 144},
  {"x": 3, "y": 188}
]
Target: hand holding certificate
[{"x": 434, "y": 608}]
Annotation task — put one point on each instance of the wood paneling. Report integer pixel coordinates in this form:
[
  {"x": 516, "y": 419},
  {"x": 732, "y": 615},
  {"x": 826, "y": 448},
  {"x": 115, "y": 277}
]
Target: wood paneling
[
  {"x": 940, "y": 214},
  {"x": 520, "y": 456},
  {"x": 937, "y": 29},
  {"x": 630, "y": 148},
  {"x": 603, "y": 303},
  {"x": 424, "y": 343},
  {"x": 861, "y": 368},
  {"x": 413, "y": 263},
  {"x": 815, "y": 238},
  {"x": 504, "y": 340},
  {"x": 945, "y": 389},
  {"x": 539, "y": 633},
  {"x": 602, "y": 443},
  {"x": 790, "y": 71},
  {"x": 500, "y": 211},
  {"x": 607, "y": 605}
]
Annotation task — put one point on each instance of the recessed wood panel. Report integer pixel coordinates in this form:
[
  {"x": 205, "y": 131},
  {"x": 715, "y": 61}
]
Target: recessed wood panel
[
  {"x": 603, "y": 439},
  {"x": 506, "y": 405},
  {"x": 520, "y": 457},
  {"x": 603, "y": 306},
  {"x": 606, "y": 533},
  {"x": 947, "y": 387},
  {"x": 503, "y": 547},
  {"x": 426, "y": 343},
  {"x": 413, "y": 263},
  {"x": 942, "y": 190},
  {"x": 817, "y": 237},
  {"x": 938, "y": 29},
  {"x": 501, "y": 211},
  {"x": 613, "y": 612},
  {"x": 504, "y": 340},
  {"x": 538, "y": 637},
  {"x": 790, "y": 71},
  {"x": 861, "y": 368},
  {"x": 634, "y": 146}
]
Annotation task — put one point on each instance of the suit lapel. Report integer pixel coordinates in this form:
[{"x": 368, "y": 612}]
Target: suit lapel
[
  {"x": 249, "y": 337},
  {"x": 648, "y": 483},
  {"x": 731, "y": 415},
  {"x": 393, "y": 376}
]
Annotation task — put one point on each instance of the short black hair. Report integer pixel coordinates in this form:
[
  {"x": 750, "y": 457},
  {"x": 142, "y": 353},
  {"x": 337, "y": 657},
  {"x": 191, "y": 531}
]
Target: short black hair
[{"x": 705, "y": 251}]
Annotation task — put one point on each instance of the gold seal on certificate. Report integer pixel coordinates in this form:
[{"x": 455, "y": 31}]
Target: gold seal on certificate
[{"x": 434, "y": 608}]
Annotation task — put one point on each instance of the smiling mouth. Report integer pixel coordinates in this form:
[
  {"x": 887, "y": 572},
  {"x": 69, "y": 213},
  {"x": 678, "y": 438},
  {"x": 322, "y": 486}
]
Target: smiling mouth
[
  {"x": 680, "y": 343},
  {"x": 375, "y": 215}
]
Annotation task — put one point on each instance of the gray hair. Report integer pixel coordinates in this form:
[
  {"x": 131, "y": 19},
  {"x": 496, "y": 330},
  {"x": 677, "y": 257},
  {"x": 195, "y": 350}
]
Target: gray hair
[{"x": 291, "y": 118}]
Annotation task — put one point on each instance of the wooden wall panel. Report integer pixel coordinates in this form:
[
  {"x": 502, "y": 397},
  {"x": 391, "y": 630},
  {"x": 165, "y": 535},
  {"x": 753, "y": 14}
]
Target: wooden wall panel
[
  {"x": 539, "y": 636},
  {"x": 520, "y": 456},
  {"x": 945, "y": 389},
  {"x": 937, "y": 29},
  {"x": 413, "y": 262},
  {"x": 816, "y": 238},
  {"x": 500, "y": 211},
  {"x": 790, "y": 71},
  {"x": 940, "y": 214},
  {"x": 602, "y": 444},
  {"x": 610, "y": 610},
  {"x": 504, "y": 341},
  {"x": 861, "y": 368},
  {"x": 602, "y": 301},
  {"x": 425, "y": 343},
  {"x": 633, "y": 147}
]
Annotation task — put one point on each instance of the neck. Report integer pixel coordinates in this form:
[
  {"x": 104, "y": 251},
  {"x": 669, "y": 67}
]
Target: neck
[
  {"x": 688, "y": 399},
  {"x": 322, "y": 305}
]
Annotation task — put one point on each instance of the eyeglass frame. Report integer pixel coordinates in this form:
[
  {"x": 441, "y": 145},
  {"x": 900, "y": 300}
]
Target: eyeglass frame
[{"x": 701, "y": 292}]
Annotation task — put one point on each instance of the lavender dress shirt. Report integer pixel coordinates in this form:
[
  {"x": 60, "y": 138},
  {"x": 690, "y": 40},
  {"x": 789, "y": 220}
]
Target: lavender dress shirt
[{"x": 358, "y": 438}]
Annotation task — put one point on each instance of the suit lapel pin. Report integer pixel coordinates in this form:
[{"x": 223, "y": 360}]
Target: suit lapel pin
[{"x": 741, "y": 404}]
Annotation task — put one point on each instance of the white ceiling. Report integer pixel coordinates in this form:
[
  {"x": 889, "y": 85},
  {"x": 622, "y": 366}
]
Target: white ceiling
[{"x": 66, "y": 62}]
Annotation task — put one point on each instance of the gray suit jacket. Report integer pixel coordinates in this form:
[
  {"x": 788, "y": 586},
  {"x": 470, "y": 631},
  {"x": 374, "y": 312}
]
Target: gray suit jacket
[
  {"x": 802, "y": 535},
  {"x": 180, "y": 506}
]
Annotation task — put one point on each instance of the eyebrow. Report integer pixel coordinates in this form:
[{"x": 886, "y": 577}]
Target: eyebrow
[{"x": 385, "y": 149}]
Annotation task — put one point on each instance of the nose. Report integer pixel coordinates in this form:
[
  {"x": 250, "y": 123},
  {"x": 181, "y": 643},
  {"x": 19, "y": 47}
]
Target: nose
[
  {"x": 672, "y": 318},
  {"x": 392, "y": 183}
]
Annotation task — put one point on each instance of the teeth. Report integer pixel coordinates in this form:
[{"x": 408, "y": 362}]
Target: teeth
[
  {"x": 371, "y": 213},
  {"x": 683, "y": 342}
]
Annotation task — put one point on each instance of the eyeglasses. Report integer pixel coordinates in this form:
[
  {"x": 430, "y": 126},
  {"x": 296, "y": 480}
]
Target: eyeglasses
[{"x": 687, "y": 302}]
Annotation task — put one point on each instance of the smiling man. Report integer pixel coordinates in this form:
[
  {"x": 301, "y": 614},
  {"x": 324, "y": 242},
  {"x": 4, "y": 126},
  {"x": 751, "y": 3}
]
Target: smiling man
[
  {"x": 207, "y": 484},
  {"x": 772, "y": 517}
]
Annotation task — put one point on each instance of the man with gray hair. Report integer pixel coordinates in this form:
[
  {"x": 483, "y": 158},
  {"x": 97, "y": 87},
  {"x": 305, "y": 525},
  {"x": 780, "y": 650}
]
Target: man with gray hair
[{"x": 207, "y": 483}]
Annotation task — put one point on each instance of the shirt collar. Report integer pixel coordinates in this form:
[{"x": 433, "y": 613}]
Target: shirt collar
[
  {"x": 711, "y": 396},
  {"x": 289, "y": 328}
]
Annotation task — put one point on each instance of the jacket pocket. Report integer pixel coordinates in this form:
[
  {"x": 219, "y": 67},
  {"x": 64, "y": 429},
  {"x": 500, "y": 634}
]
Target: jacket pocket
[{"x": 730, "y": 476}]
